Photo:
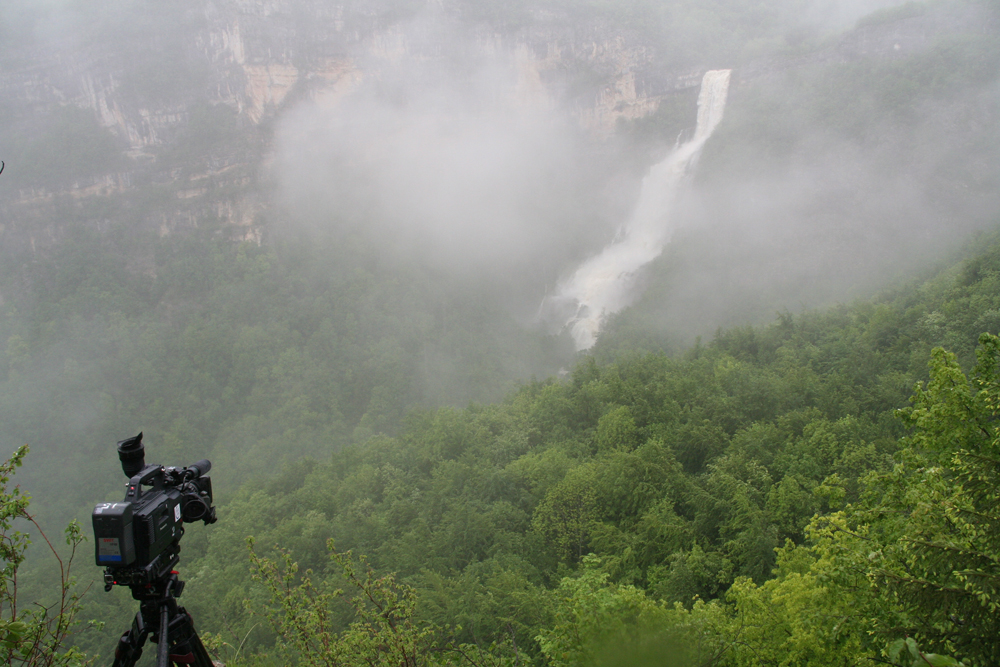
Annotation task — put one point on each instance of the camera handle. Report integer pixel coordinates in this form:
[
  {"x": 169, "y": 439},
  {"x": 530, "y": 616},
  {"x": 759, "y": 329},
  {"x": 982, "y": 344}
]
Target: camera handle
[
  {"x": 150, "y": 476},
  {"x": 174, "y": 633}
]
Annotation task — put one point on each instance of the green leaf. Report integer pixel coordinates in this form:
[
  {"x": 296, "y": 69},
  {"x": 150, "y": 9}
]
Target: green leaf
[
  {"x": 894, "y": 649},
  {"x": 936, "y": 660},
  {"x": 911, "y": 645}
]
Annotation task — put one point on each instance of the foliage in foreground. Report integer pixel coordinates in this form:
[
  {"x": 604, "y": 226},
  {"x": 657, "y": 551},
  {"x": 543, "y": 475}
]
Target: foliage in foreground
[
  {"x": 34, "y": 634},
  {"x": 385, "y": 630},
  {"x": 912, "y": 567}
]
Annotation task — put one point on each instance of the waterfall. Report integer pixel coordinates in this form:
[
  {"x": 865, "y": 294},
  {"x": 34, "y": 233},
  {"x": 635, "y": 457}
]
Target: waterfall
[{"x": 604, "y": 284}]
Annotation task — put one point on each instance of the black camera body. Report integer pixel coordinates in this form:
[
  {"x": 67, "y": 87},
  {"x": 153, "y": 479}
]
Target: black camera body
[{"x": 137, "y": 541}]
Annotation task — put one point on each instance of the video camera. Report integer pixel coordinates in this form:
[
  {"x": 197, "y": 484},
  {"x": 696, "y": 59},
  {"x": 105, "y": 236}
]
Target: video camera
[{"x": 138, "y": 539}]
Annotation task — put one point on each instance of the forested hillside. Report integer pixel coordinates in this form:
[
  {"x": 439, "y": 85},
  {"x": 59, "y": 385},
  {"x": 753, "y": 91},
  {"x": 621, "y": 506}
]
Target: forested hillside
[
  {"x": 236, "y": 343},
  {"x": 744, "y": 481}
]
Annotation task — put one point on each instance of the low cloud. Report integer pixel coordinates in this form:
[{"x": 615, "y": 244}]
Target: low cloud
[{"x": 470, "y": 170}]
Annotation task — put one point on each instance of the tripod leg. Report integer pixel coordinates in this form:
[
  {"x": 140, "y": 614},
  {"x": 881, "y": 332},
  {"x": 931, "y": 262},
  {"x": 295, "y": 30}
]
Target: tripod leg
[
  {"x": 197, "y": 654},
  {"x": 164, "y": 634},
  {"x": 185, "y": 645},
  {"x": 129, "y": 648}
]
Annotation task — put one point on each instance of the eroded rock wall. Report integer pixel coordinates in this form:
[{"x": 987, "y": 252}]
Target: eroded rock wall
[{"x": 261, "y": 57}]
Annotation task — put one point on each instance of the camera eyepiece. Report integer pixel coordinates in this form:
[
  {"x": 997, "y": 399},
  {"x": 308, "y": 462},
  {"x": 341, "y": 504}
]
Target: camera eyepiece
[{"x": 132, "y": 455}]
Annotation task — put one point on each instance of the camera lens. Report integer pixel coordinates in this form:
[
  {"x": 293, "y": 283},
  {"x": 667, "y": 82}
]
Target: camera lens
[
  {"x": 132, "y": 455},
  {"x": 193, "y": 508}
]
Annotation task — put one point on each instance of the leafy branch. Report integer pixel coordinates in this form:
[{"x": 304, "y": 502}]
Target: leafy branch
[{"x": 35, "y": 636}]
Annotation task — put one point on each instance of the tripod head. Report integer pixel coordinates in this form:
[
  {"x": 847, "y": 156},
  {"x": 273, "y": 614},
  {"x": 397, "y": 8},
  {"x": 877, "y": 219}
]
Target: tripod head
[{"x": 170, "y": 625}]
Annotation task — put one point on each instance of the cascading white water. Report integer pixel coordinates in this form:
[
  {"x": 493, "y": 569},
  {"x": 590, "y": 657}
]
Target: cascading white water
[{"x": 604, "y": 284}]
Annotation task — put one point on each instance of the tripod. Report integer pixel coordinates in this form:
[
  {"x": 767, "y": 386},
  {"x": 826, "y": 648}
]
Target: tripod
[{"x": 171, "y": 626}]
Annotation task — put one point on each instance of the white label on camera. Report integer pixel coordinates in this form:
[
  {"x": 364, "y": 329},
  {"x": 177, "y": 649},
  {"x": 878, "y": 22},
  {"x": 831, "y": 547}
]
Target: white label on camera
[
  {"x": 177, "y": 512},
  {"x": 108, "y": 549}
]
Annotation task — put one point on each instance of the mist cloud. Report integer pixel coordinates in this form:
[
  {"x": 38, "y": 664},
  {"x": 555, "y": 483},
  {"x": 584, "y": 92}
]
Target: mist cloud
[
  {"x": 458, "y": 159},
  {"x": 465, "y": 168}
]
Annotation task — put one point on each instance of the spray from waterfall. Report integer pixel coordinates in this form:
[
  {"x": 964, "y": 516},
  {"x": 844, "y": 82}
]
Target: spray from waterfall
[{"x": 605, "y": 283}]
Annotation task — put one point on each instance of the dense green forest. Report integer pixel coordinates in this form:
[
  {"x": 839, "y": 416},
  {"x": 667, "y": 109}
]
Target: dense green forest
[
  {"x": 659, "y": 481},
  {"x": 760, "y": 499},
  {"x": 769, "y": 458}
]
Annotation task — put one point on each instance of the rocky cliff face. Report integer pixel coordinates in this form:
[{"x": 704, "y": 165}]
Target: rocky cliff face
[
  {"x": 147, "y": 84},
  {"x": 259, "y": 57}
]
